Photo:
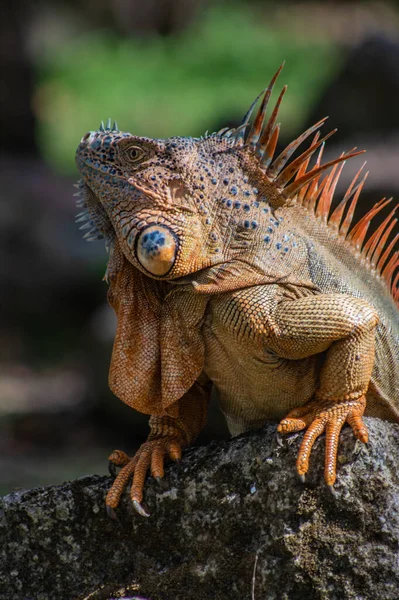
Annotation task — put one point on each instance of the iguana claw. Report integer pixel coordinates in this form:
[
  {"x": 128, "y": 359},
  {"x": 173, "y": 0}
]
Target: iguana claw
[
  {"x": 329, "y": 416},
  {"x": 111, "y": 513},
  {"x": 138, "y": 507}
]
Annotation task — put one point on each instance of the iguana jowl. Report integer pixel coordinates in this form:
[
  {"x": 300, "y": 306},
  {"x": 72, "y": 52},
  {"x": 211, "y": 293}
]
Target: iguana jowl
[{"x": 228, "y": 268}]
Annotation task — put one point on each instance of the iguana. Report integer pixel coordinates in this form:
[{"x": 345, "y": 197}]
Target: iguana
[{"x": 229, "y": 268}]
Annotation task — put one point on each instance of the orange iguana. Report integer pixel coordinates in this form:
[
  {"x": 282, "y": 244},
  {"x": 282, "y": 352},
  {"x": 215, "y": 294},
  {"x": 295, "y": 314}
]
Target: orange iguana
[{"x": 228, "y": 267}]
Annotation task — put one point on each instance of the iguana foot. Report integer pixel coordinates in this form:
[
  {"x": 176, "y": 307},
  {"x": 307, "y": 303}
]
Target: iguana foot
[
  {"x": 151, "y": 455},
  {"x": 329, "y": 416}
]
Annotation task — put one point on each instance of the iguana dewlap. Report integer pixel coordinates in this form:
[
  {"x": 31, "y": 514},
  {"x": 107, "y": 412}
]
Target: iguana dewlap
[{"x": 229, "y": 268}]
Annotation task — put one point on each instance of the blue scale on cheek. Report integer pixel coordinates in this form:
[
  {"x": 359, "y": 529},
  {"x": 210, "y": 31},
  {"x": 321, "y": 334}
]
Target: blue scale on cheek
[{"x": 151, "y": 243}]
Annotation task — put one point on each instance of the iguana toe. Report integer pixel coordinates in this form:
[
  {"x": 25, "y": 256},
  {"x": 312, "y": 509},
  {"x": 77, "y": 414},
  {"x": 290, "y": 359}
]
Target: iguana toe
[
  {"x": 118, "y": 458},
  {"x": 329, "y": 416},
  {"x": 150, "y": 456}
]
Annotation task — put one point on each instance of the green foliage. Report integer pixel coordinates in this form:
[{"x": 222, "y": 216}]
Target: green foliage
[{"x": 180, "y": 85}]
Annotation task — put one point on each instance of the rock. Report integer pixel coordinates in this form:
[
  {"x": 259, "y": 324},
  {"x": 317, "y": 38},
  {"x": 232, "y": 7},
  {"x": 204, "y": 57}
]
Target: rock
[{"x": 235, "y": 518}]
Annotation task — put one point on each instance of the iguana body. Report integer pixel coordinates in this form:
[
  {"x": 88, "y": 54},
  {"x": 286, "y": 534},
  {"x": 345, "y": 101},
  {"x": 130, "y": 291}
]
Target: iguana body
[{"x": 224, "y": 270}]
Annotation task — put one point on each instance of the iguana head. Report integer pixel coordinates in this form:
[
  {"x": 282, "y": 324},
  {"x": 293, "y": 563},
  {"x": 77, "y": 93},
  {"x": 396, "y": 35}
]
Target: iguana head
[
  {"x": 180, "y": 205},
  {"x": 165, "y": 198}
]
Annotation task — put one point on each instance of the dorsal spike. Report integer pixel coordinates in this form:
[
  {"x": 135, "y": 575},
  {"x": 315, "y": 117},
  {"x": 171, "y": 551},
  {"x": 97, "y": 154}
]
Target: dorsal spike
[
  {"x": 395, "y": 288},
  {"x": 390, "y": 268},
  {"x": 324, "y": 204},
  {"x": 312, "y": 186},
  {"x": 293, "y": 167},
  {"x": 115, "y": 127},
  {"x": 102, "y": 127},
  {"x": 336, "y": 217},
  {"x": 371, "y": 244},
  {"x": 344, "y": 227},
  {"x": 248, "y": 114},
  {"x": 384, "y": 257},
  {"x": 271, "y": 146},
  {"x": 314, "y": 193},
  {"x": 356, "y": 234},
  {"x": 239, "y": 134},
  {"x": 268, "y": 130},
  {"x": 108, "y": 126},
  {"x": 289, "y": 191},
  {"x": 302, "y": 170},
  {"x": 381, "y": 244},
  {"x": 240, "y": 131},
  {"x": 286, "y": 154},
  {"x": 256, "y": 128}
]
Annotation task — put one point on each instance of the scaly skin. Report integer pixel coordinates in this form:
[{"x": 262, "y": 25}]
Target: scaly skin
[{"x": 228, "y": 268}]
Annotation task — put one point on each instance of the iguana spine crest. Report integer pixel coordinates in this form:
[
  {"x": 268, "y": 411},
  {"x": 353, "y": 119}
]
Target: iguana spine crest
[{"x": 315, "y": 193}]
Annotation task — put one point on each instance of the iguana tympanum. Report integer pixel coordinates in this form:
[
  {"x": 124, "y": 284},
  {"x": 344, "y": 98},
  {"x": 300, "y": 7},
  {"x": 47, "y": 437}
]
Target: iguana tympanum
[{"x": 229, "y": 268}]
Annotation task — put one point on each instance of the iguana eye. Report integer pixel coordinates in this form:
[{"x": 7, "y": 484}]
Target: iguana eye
[{"x": 135, "y": 153}]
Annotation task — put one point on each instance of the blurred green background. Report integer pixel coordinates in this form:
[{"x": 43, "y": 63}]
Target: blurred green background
[
  {"x": 160, "y": 68},
  {"x": 180, "y": 84}
]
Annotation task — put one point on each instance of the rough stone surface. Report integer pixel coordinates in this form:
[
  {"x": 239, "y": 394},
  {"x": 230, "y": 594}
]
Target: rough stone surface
[{"x": 228, "y": 507}]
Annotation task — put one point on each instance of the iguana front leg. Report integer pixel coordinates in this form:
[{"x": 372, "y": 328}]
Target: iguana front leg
[
  {"x": 167, "y": 438},
  {"x": 341, "y": 326},
  {"x": 344, "y": 327}
]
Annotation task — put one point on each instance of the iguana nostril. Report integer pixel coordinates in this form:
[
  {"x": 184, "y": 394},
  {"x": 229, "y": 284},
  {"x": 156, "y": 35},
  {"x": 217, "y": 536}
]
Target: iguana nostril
[{"x": 156, "y": 249}]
